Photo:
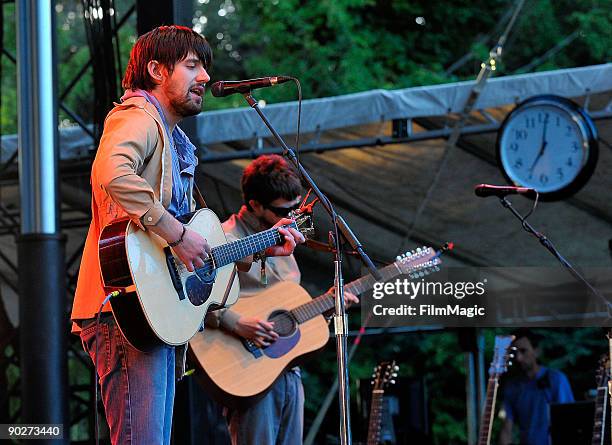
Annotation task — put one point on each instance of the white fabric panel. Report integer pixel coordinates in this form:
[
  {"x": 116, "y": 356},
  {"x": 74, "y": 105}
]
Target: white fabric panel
[
  {"x": 369, "y": 106},
  {"x": 377, "y": 105}
]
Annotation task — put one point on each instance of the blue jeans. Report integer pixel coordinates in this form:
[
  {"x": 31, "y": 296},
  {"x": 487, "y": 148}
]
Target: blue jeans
[
  {"x": 137, "y": 388},
  {"x": 277, "y": 419}
]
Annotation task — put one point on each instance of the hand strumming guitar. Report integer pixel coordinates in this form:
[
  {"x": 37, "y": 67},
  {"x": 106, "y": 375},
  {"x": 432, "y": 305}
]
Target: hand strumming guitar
[{"x": 259, "y": 331}]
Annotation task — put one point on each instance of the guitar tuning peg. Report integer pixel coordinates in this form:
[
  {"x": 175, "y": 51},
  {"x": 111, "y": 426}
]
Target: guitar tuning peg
[
  {"x": 394, "y": 374},
  {"x": 510, "y": 363},
  {"x": 392, "y": 382},
  {"x": 396, "y": 368}
]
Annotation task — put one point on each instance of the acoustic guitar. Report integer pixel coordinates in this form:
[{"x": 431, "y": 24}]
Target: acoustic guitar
[
  {"x": 384, "y": 375},
  {"x": 501, "y": 360},
  {"x": 160, "y": 300},
  {"x": 237, "y": 372}
]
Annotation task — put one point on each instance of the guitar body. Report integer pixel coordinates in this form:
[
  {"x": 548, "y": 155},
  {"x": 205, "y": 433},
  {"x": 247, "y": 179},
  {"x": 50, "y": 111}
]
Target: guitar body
[
  {"x": 163, "y": 302},
  {"x": 235, "y": 369}
]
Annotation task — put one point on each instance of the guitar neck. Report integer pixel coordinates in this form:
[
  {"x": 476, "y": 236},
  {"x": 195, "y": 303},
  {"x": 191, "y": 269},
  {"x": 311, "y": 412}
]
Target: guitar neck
[
  {"x": 486, "y": 423},
  {"x": 376, "y": 411},
  {"x": 609, "y": 378},
  {"x": 325, "y": 302},
  {"x": 599, "y": 422},
  {"x": 236, "y": 250}
]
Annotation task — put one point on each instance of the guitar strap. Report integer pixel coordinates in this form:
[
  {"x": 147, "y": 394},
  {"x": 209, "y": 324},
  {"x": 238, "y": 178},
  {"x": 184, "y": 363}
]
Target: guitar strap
[{"x": 198, "y": 196}]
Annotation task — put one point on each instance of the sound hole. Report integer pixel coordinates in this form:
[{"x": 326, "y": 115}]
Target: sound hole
[
  {"x": 284, "y": 323},
  {"x": 199, "y": 285}
]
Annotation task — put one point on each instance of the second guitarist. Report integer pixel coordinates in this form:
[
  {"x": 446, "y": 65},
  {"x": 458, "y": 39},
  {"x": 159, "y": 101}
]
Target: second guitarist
[{"x": 270, "y": 188}]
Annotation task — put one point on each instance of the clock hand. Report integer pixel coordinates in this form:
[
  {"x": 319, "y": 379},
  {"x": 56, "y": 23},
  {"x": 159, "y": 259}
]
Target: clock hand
[{"x": 542, "y": 147}]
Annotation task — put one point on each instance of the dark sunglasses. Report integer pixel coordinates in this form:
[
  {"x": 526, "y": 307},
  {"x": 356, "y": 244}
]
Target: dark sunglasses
[{"x": 282, "y": 211}]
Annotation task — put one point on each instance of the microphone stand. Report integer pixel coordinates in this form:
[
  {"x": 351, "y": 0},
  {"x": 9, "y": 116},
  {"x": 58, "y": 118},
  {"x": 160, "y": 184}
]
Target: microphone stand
[
  {"x": 551, "y": 248},
  {"x": 340, "y": 319}
]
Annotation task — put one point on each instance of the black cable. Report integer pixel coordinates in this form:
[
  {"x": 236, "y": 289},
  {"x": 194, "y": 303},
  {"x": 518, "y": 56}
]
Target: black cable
[
  {"x": 299, "y": 116},
  {"x": 108, "y": 297},
  {"x": 533, "y": 208}
]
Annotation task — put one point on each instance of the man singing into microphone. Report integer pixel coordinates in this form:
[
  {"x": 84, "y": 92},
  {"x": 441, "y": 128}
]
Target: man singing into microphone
[{"x": 144, "y": 170}]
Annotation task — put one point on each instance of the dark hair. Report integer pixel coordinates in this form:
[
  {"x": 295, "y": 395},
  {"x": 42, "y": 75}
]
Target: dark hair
[
  {"x": 268, "y": 178},
  {"x": 533, "y": 338},
  {"x": 168, "y": 45}
]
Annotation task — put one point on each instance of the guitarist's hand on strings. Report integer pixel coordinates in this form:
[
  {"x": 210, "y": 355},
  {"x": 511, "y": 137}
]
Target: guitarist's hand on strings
[
  {"x": 259, "y": 331},
  {"x": 193, "y": 250},
  {"x": 189, "y": 246},
  {"x": 292, "y": 238}
]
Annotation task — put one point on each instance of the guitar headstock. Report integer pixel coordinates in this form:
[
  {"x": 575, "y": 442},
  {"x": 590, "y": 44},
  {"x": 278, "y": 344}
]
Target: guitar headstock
[
  {"x": 418, "y": 263},
  {"x": 503, "y": 352},
  {"x": 384, "y": 375},
  {"x": 303, "y": 222}
]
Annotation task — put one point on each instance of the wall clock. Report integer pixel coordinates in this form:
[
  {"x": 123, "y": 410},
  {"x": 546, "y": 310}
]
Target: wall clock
[{"x": 548, "y": 143}]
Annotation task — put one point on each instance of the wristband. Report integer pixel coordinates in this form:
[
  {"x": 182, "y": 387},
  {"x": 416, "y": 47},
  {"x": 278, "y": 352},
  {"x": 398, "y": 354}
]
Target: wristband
[{"x": 180, "y": 240}]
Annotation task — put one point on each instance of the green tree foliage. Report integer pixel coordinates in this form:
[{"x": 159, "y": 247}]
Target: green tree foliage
[
  {"x": 339, "y": 47},
  {"x": 343, "y": 46}
]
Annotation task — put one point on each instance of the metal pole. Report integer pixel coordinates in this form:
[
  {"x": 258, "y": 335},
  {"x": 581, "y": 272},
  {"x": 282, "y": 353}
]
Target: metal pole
[
  {"x": 482, "y": 378},
  {"x": 340, "y": 314},
  {"x": 341, "y": 329},
  {"x": 42, "y": 294},
  {"x": 470, "y": 399}
]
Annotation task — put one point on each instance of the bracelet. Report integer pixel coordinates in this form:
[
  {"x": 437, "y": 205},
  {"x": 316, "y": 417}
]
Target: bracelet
[{"x": 180, "y": 240}]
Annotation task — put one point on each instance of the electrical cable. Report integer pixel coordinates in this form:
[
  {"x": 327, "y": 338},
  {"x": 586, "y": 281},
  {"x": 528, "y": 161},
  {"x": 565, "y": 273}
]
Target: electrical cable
[{"x": 115, "y": 293}]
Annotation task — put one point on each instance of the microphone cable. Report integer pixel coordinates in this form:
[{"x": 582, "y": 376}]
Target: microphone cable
[
  {"x": 114, "y": 293},
  {"x": 299, "y": 116}
]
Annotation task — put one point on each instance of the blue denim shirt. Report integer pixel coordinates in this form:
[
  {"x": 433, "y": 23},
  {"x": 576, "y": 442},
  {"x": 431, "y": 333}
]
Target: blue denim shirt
[{"x": 184, "y": 159}]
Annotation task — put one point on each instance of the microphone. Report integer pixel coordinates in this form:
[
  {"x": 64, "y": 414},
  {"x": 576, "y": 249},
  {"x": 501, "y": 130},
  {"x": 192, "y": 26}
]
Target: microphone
[
  {"x": 226, "y": 87},
  {"x": 484, "y": 190}
]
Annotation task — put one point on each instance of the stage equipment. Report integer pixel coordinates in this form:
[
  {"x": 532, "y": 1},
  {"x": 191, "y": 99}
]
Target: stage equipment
[
  {"x": 226, "y": 87},
  {"x": 548, "y": 143},
  {"x": 486, "y": 190},
  {"x": 553, "y": 250},
  {"x": 570, "y": 423}
]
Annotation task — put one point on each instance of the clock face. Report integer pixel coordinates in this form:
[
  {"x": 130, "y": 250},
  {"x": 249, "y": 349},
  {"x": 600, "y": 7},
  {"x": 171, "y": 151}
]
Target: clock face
[{"x": 545, "y": 143}]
